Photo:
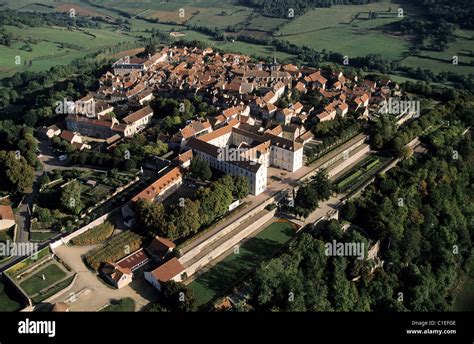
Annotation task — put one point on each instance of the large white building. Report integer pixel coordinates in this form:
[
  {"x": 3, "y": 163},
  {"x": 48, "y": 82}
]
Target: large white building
[{"x": 236, "y": 151}]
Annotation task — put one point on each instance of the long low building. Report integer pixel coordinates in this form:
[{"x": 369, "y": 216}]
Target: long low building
[
  {"x": 105, "y": 126},
  {"x": 170, "y": 271},
  {"x": 162, "y": 187}
]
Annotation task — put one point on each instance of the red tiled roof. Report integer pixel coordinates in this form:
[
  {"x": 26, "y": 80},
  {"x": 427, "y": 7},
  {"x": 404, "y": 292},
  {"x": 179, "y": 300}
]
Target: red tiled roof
[
  {"x": 133, "y": 260},
  {"x": 154, "y": 190},
  {"x": 67, "y": 135},
  {"x": 168, "y": 270},
  {"x": 138, "y": 115},
  {"x": 6, "y": 213}
]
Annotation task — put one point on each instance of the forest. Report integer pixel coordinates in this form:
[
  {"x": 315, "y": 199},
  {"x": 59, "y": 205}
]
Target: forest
[
  {"x": 421, "y": 212},
  {"x": 281, "y": 8}
]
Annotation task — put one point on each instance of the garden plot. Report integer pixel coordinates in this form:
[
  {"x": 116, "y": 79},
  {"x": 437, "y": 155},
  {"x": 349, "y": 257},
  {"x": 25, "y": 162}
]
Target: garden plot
[
  {"x": 360, "y": 173},
  {"x": 40, "y": 277},
  {"x": 86, "y": 192}
]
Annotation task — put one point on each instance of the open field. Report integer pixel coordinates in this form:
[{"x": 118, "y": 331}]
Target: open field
[
  {"x": 80, "y": 10},
  {"x": 442, "y": 61},
  {"x": 221, "y": 16},
  {"x": 346, "y": 30},
  {"x": 54, "y": 46},
  {"x": 237, "y": 47},
  {"x": 233, "y": 268}
]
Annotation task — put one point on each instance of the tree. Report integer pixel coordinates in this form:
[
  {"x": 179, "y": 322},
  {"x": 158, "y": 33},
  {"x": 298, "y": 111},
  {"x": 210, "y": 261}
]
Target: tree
[
  {"x": 70, "y": 198},
  {"x": 320, "y": 182},
  {"x": 151, "y": 215},
  {"x": 176, "y": 297},
  {"x": 241, "y": 187},
  {"x": 200, "y": 169},
  {"x": 44, "y": 215},
  {"x": 308, "y": 196},
  {"x": 186, "y": 218},
  {"x": 150, "y": 49},
  {"x": 16, "y": 175},
  {"x": 348, "y": 211}
]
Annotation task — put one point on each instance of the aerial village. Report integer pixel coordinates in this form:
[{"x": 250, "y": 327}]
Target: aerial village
[{"x": 262, "y": 133}]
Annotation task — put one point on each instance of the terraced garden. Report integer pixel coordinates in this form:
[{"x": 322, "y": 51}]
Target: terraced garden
[{"x": 359, "y": 174}]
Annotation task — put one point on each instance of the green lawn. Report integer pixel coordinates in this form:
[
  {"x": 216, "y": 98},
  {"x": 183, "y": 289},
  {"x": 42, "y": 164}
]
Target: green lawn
[
  {"x": 55, "y": 46},
  {"x": 9, "y": 299},
  {"x": 35, "y": 283},
  {"x": 53, "y": 290},
  {"x": 41, "y": 236},
  {"x": 233, "y": 268},
  {"x": 122, "y": 305}
]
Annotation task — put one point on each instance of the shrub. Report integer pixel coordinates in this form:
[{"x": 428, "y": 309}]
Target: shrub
[
  {"x": 94, "y": 235},
  {"x": 44, "y": 215},
  {"x": 116, "y": 248}
]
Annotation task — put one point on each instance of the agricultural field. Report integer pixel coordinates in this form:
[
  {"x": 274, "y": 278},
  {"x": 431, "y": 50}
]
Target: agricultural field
[
  {"x": 442, "y": 61},
  {"x": 115, "y": 249},
  {"x": 347, "y": 30},
  {"x": 220, "y": 17},
  {"x": 54, "y": 46},
  {"x": 94, "y": 235},
  {"x": 233, "y": 268},
  {"x": 237, "y": 46}
]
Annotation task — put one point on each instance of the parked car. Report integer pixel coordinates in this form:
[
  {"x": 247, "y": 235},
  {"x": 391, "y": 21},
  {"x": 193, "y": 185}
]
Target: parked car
[{"x": 63, "y": 157}]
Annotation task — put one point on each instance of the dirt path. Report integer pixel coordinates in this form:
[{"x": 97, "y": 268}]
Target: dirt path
[{"x": 92, "y": 293}]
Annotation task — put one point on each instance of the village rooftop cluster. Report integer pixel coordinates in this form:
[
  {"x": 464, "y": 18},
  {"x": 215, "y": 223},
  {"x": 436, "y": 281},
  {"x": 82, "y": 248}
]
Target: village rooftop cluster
[{"x": 250, "y": 134}]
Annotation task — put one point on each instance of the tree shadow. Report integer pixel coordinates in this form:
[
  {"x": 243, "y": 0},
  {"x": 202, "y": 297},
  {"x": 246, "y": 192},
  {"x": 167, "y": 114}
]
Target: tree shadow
[{"x": 229, "y": 271}]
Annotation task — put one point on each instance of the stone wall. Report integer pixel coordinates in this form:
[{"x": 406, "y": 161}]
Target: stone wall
[
  {"x": 229, "y": 244},
  {"x": 226, "y": 230}
]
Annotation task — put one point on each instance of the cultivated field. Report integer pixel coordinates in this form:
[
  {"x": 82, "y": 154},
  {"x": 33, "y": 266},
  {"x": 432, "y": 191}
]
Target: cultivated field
[{"x": 345, "y": 29}]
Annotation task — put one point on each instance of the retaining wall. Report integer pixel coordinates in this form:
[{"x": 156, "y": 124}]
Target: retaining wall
[{"x": 190, "y": 270}]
